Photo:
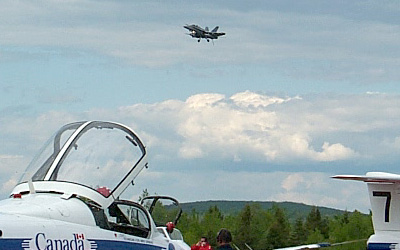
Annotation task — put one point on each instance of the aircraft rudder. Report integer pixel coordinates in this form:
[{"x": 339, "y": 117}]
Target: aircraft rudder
[
  {"x": 385, "y": 202},
  {"x": 215, "y": 29}
]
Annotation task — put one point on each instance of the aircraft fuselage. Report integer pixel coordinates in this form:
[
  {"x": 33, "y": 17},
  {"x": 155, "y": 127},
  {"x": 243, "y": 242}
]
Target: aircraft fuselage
[{"x": 47, "y": 221}]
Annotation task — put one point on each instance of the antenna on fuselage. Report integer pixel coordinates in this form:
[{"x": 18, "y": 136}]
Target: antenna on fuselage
[{"x": 31, "y": 187}]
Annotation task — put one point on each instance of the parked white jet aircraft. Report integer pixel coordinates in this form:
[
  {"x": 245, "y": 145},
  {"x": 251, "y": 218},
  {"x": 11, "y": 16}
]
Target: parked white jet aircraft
[
  {"x": 159, "y": 207},
  {"x": 68, "y": 198},
  {"x": 198, "y": 32},
  {"x": 384, "y": 195}
]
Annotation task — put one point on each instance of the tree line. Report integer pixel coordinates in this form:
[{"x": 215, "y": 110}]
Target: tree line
[{"x": 270, "y": 228}]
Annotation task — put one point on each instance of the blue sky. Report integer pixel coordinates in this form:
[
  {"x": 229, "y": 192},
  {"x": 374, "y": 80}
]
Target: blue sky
[{"x": 295, "y": 92}]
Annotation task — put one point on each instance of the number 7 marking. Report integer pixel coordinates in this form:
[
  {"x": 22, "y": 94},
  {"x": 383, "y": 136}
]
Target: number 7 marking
[{"x": 388, "y": 199}]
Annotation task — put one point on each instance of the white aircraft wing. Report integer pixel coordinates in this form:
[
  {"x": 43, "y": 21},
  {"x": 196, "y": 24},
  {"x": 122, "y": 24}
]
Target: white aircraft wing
[
  {"x": 319, "y": 245},
  {"x": 371, "y": 177},
  {"x": 310, "y": 246}
]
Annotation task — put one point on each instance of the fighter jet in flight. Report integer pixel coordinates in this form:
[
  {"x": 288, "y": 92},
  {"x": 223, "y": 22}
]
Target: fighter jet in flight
[{"x": 196, "y": 31}]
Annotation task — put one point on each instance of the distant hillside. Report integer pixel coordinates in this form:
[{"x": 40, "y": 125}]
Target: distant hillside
[{"x": 293, "y": 210}]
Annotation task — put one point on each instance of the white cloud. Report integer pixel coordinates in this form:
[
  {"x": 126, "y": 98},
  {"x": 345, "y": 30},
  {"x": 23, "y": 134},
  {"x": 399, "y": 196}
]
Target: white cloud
[
  {"x": 249, "y": 99},
  {"x": 318, "y": 189},
  {"x": 190, "y": 152},
  {"x": 11, "y": 168},
  {"x": 292, "y": 181},
  {"x": 203, "y": 100},
  {"x": 259, "y": 128},
  {"x": 211, "y": 124},
  {"x": 219, "y": 139},
  {"x": 8, "y": 186},
  {"x": 299, "y": 145},
  {"x": 334, "y": 152},
  {"x": 246, "y": 127},
  {"x": 2, "y": 157}
]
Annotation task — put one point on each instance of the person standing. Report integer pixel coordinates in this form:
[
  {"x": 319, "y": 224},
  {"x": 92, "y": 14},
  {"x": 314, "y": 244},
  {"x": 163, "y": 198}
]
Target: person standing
[
  {"x": 202, "y": 245},
  {"x": 224, "y": 239}
]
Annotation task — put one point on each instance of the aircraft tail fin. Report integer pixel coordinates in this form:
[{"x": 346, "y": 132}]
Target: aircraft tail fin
[
  {"x": 215, "y": 29},
  {"x": 206, "y": 29},
  {"x": 384, "y": 195}
]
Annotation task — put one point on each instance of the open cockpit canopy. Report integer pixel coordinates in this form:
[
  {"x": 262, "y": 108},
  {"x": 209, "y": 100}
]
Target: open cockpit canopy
[
  {"x": 163, "y": 209},
  {"x": 94, "y": 159}
]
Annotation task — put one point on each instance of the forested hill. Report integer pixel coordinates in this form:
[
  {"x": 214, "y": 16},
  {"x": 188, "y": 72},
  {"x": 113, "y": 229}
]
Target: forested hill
[
  {"x": 293, "y": 210},
  {"x": 271, "y": 225}
]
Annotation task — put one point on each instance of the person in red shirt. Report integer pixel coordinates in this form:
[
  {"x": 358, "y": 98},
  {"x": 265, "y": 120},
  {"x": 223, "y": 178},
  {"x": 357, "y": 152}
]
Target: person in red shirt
[{"x": 202, "y": 245}]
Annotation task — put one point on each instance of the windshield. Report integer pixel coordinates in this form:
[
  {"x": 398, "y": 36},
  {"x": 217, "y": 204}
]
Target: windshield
[
  {"x": 40, "y": 165},
  {"x": 95, "y": 154},
  {"x": 175, "y": 235}
]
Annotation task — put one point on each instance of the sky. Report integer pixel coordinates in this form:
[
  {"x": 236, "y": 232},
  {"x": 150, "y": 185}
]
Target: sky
[{"x": 295, "y": 92}]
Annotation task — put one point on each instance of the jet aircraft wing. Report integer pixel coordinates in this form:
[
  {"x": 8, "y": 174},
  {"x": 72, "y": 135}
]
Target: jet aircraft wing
[
  {"x": 310, "y": 246},
  {"x": 371, "y": 177},
  {"x": 195, "y": 28},
  {"x": 320, "y": 245}
]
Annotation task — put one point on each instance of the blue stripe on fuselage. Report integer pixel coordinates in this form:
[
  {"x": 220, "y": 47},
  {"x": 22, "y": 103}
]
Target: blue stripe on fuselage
[
  {"x": 381, "y": 246},
  {"x": 12, "y": 243},
  {"x": 109, "y": 244}
]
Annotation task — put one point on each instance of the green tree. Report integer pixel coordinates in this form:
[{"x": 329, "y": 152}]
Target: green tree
[
  {"x": 298, "y": 236},
  {"x": 261, "y": 221},
  {"x": 189, "y": 225},
  {"x": 352, "y": 226},
  {"x": 315, "y": 221},
  {"x": 211, "y": 224},
  {"x": 250, "y": 226},
  {"x": 359, "y": 226},
  {"x": 244, "y": 230},
  {"x": 279, "y": 231},
  {"x": 144, "y": 194},
  {"x": 315, "y": 237}
]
